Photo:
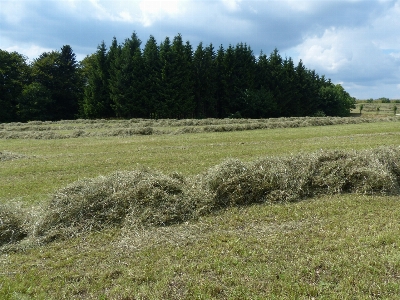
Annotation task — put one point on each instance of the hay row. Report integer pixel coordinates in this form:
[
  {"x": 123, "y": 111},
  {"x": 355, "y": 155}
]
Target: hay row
[
  {"x": 149, "y": 127},
  {"x": 150, "y": 198},
  {"x": 6, "y": 155}
]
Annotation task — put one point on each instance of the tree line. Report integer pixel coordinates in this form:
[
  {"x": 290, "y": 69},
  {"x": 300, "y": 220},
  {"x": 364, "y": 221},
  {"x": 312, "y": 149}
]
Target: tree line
[{"x": 166, "y": 80}]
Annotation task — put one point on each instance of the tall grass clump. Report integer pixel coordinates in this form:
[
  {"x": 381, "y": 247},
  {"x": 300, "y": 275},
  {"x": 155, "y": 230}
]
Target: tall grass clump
[{"x": 12, "y": 225}]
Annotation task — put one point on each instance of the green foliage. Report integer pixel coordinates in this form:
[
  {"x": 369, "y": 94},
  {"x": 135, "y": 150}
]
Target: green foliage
[
  {"x": 58, "y": 73},
  {"x": 335, "y": 101},
  {"x": 152, "y": 79},
  {"x": 97, "y": 101},
  {"x": 361, "y": 108},
  {"x": 34, "y": 103},
  {"x": 126, "y": 81},
  {"x": 258, "y": 104},
  {"x": 14, "y": 75},
  {"x": 384, "y": 100},
  {"x": 169, "y": 80}
]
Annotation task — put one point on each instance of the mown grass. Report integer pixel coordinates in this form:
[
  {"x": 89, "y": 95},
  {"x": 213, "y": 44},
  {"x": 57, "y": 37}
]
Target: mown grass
[
  {"x": 332, "y": 246},
  {"x": 341, "y": 247},
  {"x": 52, "y": 164}
]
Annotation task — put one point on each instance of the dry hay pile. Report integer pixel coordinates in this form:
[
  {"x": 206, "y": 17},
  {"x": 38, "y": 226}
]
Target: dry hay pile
[
  {"x": 12, "y": 225},
  {"x": 296, "y": 177},
  {"x": 149, "y": 198},
  {"x": 133, "y": 198}
]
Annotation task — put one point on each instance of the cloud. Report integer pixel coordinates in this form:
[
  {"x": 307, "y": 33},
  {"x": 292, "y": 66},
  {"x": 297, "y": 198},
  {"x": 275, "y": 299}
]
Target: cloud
[
  {"x": 354, "y": 42},
  {"x": 360, "y": 57},
  {"x": 232, "y": 5}
]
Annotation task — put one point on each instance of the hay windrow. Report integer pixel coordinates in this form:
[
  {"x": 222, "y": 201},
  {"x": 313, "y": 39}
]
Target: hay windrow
[
  {"x": 12, "y": 227},
  {"x": 6, "y": 155},
  {"x": 149, "y": 198},
  {"x": 124, "y": 128},
  {"x": 139, "y": 197}
]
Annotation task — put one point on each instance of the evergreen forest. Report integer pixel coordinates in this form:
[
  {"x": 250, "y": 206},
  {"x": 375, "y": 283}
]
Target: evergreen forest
[{"x": 170, "y": 79}]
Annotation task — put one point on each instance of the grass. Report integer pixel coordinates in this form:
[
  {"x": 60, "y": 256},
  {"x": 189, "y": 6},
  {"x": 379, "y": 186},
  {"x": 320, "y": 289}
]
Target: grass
[
  {"x": 328, "y": 246},
  {"x": 376, "y": 109},
  {"x": 331, "y": 247},
  {"x": 53, "y": 164}
]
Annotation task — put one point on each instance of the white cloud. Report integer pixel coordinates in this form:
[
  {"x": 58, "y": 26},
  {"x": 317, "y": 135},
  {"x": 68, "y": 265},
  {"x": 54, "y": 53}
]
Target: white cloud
[
  {"x": 31, "y": 51},
  {"x": 351, "y": 41},
  {"x": 232, "y": 5},
  {"x": 365, "y": 58},
  {"x": 152, "y": 11},
  {"x": 12, "y": 11}
]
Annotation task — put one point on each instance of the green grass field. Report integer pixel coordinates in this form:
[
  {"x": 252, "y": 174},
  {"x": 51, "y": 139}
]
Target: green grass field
[
  {"x": 376, "y": 109},
  {"x": 332, "y": 246}
]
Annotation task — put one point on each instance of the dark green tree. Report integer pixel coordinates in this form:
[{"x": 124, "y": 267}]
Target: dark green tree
[
  {"x": 59, "y": 73},
  {"x": 68, "y": 85},
  {"x": 14, "y": 75},
  {"x": 97, "y": 101},
  {"x": 222, "y": 110},
  {"x": 34, "y": 103},
  {"x": 205, "y": 81},
  {"x": 176, "y": 78},
  {"x": 126, "y": 80},
  {"x": 335, "y": 101},
  {"x": 152, "y": 79}
]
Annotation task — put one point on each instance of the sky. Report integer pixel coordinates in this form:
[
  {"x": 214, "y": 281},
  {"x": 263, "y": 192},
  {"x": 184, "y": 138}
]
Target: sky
[{"x": 355, "y": 43}]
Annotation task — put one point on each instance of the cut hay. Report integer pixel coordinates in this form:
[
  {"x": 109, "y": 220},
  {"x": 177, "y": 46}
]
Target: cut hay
[
  {"x": 6, "y": 155},
  {"x": 139, "y": 197},
  {"x": 296, "y": 177},
  {"x": 11, "y": 225},
  {"x": 149, "y": 198},
  {"x": 125, "y": 128}
]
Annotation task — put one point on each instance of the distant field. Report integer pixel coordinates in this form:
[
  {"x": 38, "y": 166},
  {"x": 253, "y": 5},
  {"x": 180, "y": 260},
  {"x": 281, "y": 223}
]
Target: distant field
[
  {"x": 328, "y": 246},
  {"x": 376, "y": 109}
]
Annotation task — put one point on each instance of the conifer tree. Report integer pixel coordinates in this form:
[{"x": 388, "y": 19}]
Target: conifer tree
[
  {"x": 97, "y": 101},
  {"x": 126, "y": 82},
  {"x": 152, "y": 78},
  {"x": 176, "y": 78},
  {"x": 205, "y": 81},
  {"x": 68, "y": 85}
]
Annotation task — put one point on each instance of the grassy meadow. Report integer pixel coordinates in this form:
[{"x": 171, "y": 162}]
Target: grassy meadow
[
  {"x": 376, "y": 108},
  {"x": 297, "y": 208}
]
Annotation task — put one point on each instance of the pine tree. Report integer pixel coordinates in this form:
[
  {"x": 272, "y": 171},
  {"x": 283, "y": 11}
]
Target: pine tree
[
  {"x": 97, "y": 101},
  {"x": 126, "y": 80},
  {"x": 176, "y": 78},
  {"x": 204, "y": 80},
  {"x": 152, "y": 78},
  {"x": 68, "y": 85}
]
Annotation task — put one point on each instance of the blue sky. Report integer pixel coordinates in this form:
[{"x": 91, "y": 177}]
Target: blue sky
[{"x": 355, "y": 43}]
